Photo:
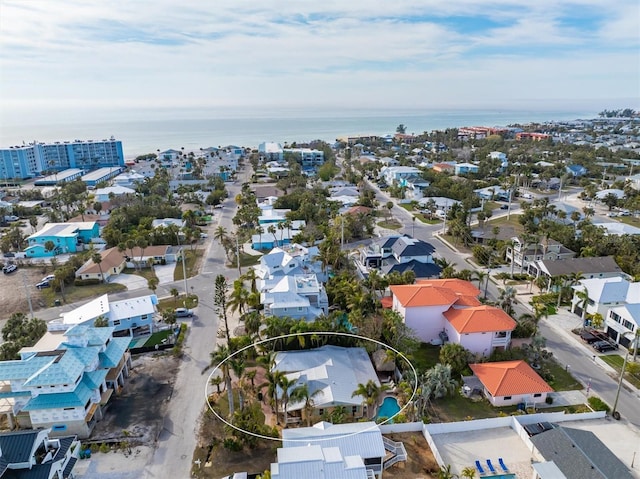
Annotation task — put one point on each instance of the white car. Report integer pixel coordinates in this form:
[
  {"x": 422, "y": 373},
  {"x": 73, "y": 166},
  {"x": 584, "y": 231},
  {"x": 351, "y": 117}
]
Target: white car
[
  {"x": 10, "y": 268},
  {"x": 48, "y": 278}
]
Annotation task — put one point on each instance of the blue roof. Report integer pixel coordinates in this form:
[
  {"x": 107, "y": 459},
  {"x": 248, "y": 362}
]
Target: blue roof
[
  {"x": 95, "y": 378},
  {"x": 114, "y": 352},
  {"x": 77, "y": 398},
  {"x": 63, "y": 367}
]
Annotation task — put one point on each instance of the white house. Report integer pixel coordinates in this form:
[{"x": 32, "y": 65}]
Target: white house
[
  {"x": 317, "y": 462},
  {"x": 622, "y": 324},
  {"x": 299, "y": 296},
  {"x": 126, "y": 317},
  {"x": 105, "y": 194},
  {"x": 511, "y": 382},
  {"x": 331, "y": 374},
  {"x": 603, "y": 294},
  {"x": 448, "y": 310},
  {"x": 465, "y": 168}
]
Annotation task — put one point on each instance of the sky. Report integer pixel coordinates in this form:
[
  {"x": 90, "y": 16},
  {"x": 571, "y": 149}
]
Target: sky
[{"x": 267, "y": 54}]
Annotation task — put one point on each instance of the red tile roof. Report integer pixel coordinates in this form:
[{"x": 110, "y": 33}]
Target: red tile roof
[
  {"x": 387, "y": 302},
  {"x": 411, "y": 295},
  {"x": 479, "y": 319},
  {"x": 460, "y": 286},
  {"x": 509, "y": 378}
]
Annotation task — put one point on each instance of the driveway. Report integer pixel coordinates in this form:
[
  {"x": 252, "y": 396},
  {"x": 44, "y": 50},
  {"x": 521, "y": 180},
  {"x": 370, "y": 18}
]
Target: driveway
[
  {"x": 164, "y": 272},
  {"x": 131, "y": 281}
]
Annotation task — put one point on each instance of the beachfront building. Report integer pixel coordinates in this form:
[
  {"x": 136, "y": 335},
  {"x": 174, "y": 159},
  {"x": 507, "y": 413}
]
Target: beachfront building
[
  {"x": 64, "y": 380},
  {"x": 127, "y": 317},
  {"x": 100, "y": 175},
  {"x": 30, "y": 160},
  {"x": 59, "y": 177},
  {"x": 65, "y": 237}
]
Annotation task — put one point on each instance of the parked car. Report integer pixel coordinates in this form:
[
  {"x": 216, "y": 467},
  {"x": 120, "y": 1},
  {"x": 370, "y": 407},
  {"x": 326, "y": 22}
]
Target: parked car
[
  {"x": 603, "y": 346},
  {"x": 219, "y": 206},
  {"x": 204, "y": 235},
  {"x": 588, "y": 338},
  {"x": 504, "y": 207},
  {"x": 9, "y": 268},
  {"x": 43, "y": 284},
  {"x": 9, "y": 255},
  {"x": 48, "y": 278},
  {"x": 183, "y": 313}
]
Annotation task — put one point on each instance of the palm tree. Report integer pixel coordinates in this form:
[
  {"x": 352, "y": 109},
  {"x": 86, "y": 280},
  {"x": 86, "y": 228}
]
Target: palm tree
[
  {"x": 216, "y": 381},
  {"x": 219, "y": 357},
  {"x": 506, "y": 298},
  {"x": 480, "y": 276},
  {"x": 97, "y": 259},
  {"x": 370, "y": 393},
  {"x": 220, "y": 234},
  {"x": 272, "y": 380},
  {"x": 583, "y": 301},
  {"x": 301, "y": 394},
  {"x": 238, "y": 298},
  {"x": 238, "y": 366},
  {"x": 468, "y": 472},
  {"x": 445, "y": 473},
  {"x": 174, "y": 292},
  {"x": 285, "y": 385}
]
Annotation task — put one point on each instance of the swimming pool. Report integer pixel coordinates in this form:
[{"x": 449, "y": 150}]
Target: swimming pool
[{"x": 388, "y": 408}]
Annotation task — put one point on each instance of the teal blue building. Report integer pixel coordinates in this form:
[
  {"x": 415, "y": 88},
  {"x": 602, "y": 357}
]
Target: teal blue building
[{"x": 66, "y": 238}]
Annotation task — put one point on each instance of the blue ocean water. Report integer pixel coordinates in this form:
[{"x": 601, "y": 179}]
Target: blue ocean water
[{"x": 144, "y": 132}]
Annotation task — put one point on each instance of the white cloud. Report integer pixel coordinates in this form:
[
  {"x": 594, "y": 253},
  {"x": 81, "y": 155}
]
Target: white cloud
[{"x": 312, "y": 53}]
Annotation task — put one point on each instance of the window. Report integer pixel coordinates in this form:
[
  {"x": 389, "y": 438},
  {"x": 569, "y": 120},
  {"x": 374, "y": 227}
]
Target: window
[
  {"x": 320, "y": 411},
  {"x": 507, "y": 398},
  {"x": 116, "y": 322},
  {"x": 60, "y": 427},
  {"x": 144, "y": 316},
  {"x": 537, "y": 395},
  {"x": 354, "y": 409}
]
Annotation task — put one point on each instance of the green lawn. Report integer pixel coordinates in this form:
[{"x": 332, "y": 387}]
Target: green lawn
[
  {"x": 156, "y": 338},
  {"x": 74, "y": 293},
  {"x": 563, "y": 380},
  {"x": 192, "y": 265},
  {"x": 172, "y": 303},
  {"x": 249, "y": 259},
  {"x": 425, "y": 357},
  {"x": 390, "y": 224},
  {"x": 616, "y": 361},
  {"x": 630, "y": 220},
  {"x": 460, "y": 408}
]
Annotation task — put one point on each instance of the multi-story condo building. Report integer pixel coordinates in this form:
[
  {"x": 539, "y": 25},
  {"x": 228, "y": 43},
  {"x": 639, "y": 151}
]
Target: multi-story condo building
[{"x": 30, "y": 160}]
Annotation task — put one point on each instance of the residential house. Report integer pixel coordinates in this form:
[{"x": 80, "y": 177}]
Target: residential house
[
  {"x": 622, "y": 323},
  {"x": 601, "y": 267},
  {"x": 414, "y": 186},
  {"x": 282, "y": 236},
  {"x": 66, "y": 238},
  {"x": 370, "y": 445},
  {"x": 400, "y": 253},
  {"x": 507, "y": 383},
  {"x": 465, "y": 168},
  {"x": 448, "y": 310},
  {"x": 113, "y": 261},
  {"x": 480, "y": 329},
  {"x": 618, "y": 193},
  {"x": 299, "y": 296},
  {"x": 271, "y": 151},
  {"x": 170, "y": 155},
  {"x": 522, "y": 254},
  {"x": 578, "y": 454},
  {"x": 603, "y": 294},
  {"x": 263, "y": 192},
  {"x": 394, "y": 174},
  {"x": 308, "y": 158},
  {"x": 526, "y": 135},
  {"x": 128, "y": 179},
  {"x": 33, "y": 454},
  {"x": 65, "y": 379},
  {"x": 126, "y": 317},
  {"x": 102, "y": 219},
  {"x": 444, "y": 167},
  {"x": 332, "y": 374},
  {"x": 617, "y": 228},
  {"x": 106, "y": 194},
  {"x": 290, "y": 259},
  {"x": 493, "y": 193},
  {"x": 167, "y": 222},
  {"x": 317, "y": 462},
  {"x": 576, "y": 170}
]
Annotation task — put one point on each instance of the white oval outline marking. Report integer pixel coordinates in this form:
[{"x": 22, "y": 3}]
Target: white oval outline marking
[{"x": 309, "y": 333}]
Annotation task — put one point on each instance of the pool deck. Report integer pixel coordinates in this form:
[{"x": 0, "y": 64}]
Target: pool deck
[{"x": 462, "y": 449}]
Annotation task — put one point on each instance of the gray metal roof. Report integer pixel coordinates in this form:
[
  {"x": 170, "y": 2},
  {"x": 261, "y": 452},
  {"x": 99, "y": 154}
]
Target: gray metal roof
[
  {"x": 579, "y": 454},
  {"x": 604, "y": 264}
]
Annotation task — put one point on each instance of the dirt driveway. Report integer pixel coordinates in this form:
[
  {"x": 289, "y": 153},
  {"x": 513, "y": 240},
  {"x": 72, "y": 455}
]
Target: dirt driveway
[
  {"x": 136, "y": 415},
  {"x": 15, "y": 286}
]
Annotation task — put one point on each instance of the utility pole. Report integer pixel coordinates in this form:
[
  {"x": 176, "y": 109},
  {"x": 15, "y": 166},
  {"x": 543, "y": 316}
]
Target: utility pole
[
  {"x": 614, "y": 412},
  {"x": 238, "y": 254},
  {"x": 341, "y": 231},
  {"x": 24, "y": 282},
  {"x": 184, "y": 266}
]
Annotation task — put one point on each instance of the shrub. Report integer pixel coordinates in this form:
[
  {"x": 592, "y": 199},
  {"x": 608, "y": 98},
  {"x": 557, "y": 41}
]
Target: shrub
[
  {"x": 598, "y": 404},
  {"x": 177, "y": 348},
  {"x": 104, "y": 448},
  {"x": 549, "y": 400},
  {"x": 86, "y": 282},
  {"x": 232, "y": 444}
]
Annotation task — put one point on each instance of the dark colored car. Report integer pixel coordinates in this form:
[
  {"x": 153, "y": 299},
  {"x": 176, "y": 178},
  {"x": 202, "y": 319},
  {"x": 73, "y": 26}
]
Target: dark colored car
[
  {"x": 504, "y": 207},
  {"x": 603, "y": 346},
  {"x": 43, "y": 284},
  {"x": 588, "y": 338}
]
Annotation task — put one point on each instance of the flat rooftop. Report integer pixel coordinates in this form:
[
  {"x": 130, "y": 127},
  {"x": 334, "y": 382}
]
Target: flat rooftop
[{"x": 99, "y": 174}]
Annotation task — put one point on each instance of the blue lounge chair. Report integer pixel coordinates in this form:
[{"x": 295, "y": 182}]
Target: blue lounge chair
[
  {"x": 490, "y": 466},
  {"x": 480, "y": 469},
  {"x": 504, "y": 468}
]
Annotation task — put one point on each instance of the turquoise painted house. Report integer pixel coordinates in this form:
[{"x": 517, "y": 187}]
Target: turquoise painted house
[{"x": 66, "y": 238}]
